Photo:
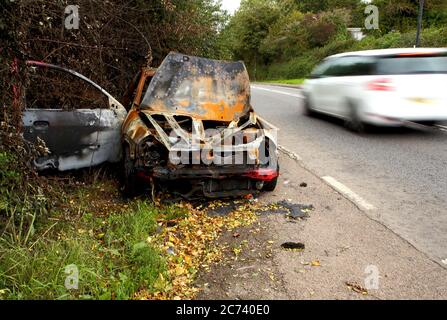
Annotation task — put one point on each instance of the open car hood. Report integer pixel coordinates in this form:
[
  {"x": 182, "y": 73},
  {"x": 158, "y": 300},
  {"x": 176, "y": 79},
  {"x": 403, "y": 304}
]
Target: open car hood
[{"x": 202, "y": 88}]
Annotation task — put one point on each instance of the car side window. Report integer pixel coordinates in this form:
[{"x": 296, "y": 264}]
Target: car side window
[
  {"x": 320, "y": 70},
  {"x": 54, "y": 89},
  {"x": 352, "y": 66},
  {"x": 358, "y": 66},
  {"x": 336, "y": 68},
  {"x": 339, "y": 67}
]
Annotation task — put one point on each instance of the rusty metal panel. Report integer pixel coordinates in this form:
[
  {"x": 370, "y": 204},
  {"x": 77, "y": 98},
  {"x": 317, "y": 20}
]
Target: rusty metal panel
[{"x": 202, "y": 88}]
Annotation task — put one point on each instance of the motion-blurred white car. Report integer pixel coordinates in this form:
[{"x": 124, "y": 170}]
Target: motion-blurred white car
[{"x": 381, "y": 87}]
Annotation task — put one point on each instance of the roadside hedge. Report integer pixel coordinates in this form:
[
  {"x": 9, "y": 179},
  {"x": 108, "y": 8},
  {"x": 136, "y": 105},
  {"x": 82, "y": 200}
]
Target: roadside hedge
[{"x": 302, "y": 65}]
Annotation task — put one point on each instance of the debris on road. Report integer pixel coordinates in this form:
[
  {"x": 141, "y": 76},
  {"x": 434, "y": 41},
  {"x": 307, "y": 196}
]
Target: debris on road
[
  {"x": 356, "y": 288},
  {"x": 315, "y": 263},
  {"x": 293, "y": 246},
  {"x": 303, "y": 185},
  {"x": 295, "y": 211},
  {"x": 291, "y": 210}
]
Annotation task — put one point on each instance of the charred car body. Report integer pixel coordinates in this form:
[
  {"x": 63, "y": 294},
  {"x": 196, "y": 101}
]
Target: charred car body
[
  {"x": 195, "y": 126},
  {"x": 189, "y": 125}
]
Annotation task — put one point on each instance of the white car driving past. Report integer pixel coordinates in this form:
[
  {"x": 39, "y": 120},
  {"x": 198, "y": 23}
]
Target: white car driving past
[{"x": 389, "y": 87}]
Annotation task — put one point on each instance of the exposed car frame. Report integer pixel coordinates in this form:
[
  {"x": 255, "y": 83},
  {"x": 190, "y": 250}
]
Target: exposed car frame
[{"x": 159, "y": 126}]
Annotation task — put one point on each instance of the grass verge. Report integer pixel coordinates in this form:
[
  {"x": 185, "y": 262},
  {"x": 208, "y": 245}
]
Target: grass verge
[
  {"x": 285, "y": 81},
  {"x": 93, "y": 244},
  {"x": 94, "y": 258}
]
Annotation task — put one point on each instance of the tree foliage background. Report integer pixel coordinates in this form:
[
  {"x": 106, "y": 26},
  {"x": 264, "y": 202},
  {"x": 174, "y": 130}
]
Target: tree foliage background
[
  {"x": 286, "y": 38},
  {"x": 111, "y": 44},
  {"x": 112, "y": 41}
]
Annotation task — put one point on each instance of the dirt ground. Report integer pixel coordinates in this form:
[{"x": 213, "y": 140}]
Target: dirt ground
[{"x": 344, "y": 251}]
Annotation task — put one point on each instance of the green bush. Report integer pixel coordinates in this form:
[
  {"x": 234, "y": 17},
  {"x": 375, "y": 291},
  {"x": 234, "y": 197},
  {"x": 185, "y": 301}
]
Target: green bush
[
  {"x": 20, "y": 202},
  {"x": 434, "y": 37},
  {"x": 302, "y": 65}
]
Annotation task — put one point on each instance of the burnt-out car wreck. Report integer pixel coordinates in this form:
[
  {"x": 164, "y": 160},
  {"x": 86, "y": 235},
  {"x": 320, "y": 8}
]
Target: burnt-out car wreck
[{"x": 189, "y": 127}]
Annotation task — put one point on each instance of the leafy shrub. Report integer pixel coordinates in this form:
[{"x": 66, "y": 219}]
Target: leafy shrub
[{"x": 301, "y": 65}]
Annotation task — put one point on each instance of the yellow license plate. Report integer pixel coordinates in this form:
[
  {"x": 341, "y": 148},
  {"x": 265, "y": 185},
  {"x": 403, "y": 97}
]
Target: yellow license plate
[{"x": 421, "y": 100}]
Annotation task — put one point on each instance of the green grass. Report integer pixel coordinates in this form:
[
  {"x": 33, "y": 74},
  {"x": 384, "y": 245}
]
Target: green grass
[
  {"x": 285, "y": 81},
  {"x": 110, "y": 253}
]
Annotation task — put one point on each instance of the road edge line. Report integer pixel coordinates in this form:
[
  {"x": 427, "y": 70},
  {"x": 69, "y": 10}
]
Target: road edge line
[
  {"x": 291, "y": 154},
  {"x": 299, "y": 96},
  {"x": 300, "y": 162},
  {"x": 348, "y": 193}
]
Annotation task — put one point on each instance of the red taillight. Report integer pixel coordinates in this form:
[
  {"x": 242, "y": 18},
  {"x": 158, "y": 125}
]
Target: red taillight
[
  {"x": 263, "y": 174},
  {"x": 144, "y": 176},
  {"x": 416, "y": 54},
  {"x": 384, "y": 84}
]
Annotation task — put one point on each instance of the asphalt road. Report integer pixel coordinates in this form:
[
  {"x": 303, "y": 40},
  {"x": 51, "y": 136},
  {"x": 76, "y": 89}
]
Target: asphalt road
[{"x": 400, "y": 173}]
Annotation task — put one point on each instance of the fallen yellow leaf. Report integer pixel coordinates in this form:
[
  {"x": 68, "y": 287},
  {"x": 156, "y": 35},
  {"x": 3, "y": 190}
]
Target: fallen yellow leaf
[{"x": 316, "y": 263}]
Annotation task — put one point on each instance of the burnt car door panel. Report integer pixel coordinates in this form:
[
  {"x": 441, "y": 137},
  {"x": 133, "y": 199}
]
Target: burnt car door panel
[
  {"x": 75, "y": 139},
  {"x": 80, "y": 124}
]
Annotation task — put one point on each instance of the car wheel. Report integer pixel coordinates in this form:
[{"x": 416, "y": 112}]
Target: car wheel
[
  {"x": 353, "y": 121},
  {"x": 271, "y": 185},
  {"x": 267, "y": 150},
  {"x": 130, "y": 180},
  {"x": 308, "y": 107}
]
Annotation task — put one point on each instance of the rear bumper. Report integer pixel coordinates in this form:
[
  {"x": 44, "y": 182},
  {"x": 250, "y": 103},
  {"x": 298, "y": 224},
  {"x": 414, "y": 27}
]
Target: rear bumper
[
  {"x": 251, "y": 172},
  {"x": 386, "y": 120},
  {"x": 397, "y": 112},
  {"x": 213, "y": 182}
]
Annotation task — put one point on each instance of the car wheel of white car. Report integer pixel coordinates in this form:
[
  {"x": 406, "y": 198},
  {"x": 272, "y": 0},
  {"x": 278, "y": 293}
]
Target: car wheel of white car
[
  {"x": 308, "y": 107},
  {"x": 353, "y": 121}
]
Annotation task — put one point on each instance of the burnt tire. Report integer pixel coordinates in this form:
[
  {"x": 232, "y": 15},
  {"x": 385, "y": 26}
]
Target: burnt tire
[
  {"x": 130, "y": 180},
  {"x": 268, "y": 157},
  {"x": 271, "y": 185}
]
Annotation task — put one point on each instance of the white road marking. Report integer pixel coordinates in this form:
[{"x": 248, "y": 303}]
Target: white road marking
[
  {"x": 278, "y": 91},
  {"x": 341, "y": 188},
  {"x": 291, "y": 154},
  {"x": 348, "y": 193},
  {"x": 442, "y": 128}
]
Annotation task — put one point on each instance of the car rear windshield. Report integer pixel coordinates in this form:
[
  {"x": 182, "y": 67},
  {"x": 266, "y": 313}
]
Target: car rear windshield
[{"x": 412, "y": 65}]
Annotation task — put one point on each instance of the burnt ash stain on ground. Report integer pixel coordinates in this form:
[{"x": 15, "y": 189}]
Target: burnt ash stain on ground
[{"x": 248, "y": 257}]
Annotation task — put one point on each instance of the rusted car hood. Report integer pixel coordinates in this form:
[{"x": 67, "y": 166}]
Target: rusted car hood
[{"x": 201, "y": 88}]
